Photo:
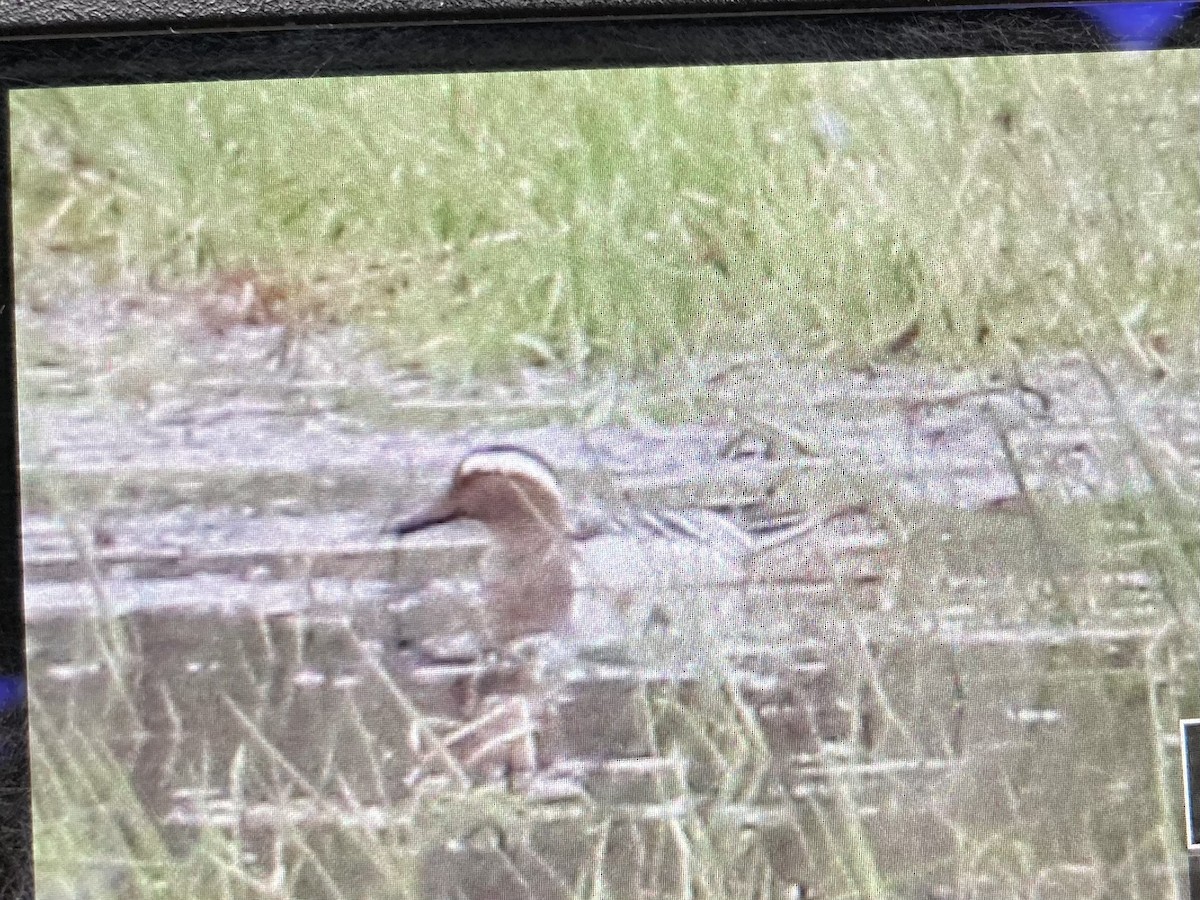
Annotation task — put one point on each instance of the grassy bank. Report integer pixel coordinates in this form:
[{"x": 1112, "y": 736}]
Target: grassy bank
[{"x": 619, "y": 218}]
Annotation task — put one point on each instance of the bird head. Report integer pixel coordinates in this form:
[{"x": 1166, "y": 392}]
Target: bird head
[{"x": 509, "y": 489}]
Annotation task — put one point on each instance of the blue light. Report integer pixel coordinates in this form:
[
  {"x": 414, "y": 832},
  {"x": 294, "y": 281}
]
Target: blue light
[
  {"x": 12, "y": 692},
  {"x": 1140, "y": 26}
]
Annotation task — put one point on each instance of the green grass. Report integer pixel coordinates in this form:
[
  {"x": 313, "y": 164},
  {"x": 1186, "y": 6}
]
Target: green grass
[
  {"x": 625, "y": 218},
  {"x": 92, "y": 833}
]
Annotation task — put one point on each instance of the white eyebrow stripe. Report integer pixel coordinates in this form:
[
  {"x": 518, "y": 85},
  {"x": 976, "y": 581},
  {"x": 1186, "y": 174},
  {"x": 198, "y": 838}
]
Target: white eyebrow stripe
[{"x": 512, "y": 463}]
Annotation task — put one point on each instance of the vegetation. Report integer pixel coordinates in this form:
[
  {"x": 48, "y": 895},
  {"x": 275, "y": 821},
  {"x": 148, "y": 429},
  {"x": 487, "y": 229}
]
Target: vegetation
[
  {"x": 623, "y": 217},
  {"x": 965, "y": 212}
]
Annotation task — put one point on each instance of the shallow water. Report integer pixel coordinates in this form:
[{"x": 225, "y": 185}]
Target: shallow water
[{"x": 981, "y": 669}]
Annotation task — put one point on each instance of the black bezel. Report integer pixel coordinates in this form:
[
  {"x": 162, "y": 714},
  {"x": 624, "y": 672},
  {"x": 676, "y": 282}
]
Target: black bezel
[
  {"x": 77, "y": 43},
  {"x": 63, "y": 18}
]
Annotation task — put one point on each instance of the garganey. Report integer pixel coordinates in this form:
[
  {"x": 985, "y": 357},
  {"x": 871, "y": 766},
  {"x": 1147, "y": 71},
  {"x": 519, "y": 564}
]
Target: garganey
[{"x": 664, "y": 594}]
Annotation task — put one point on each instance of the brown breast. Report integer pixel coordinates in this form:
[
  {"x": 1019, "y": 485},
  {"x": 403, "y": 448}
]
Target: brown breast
[{"x": 528, "y": 590}]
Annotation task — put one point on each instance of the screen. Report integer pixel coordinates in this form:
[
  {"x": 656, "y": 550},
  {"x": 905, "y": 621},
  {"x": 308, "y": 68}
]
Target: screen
[{"x": 719, "y": 482}]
